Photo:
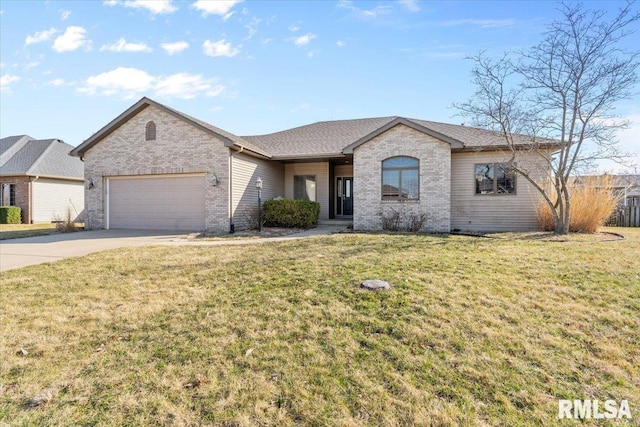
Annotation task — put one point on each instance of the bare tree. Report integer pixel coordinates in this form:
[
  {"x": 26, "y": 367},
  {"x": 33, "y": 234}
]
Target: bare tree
[{"x": 563, "y": 91}]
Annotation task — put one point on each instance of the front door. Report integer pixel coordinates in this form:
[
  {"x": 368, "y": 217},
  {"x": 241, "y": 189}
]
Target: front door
[{"x": 344, "y": 196}]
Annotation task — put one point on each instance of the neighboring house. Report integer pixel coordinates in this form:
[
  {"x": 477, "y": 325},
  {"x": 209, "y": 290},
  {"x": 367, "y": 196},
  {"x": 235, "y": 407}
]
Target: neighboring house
[
  {"x": 155, "y": 167},
  {"x": 627, "y": 187},
  {"x": 41, "y": 178}
]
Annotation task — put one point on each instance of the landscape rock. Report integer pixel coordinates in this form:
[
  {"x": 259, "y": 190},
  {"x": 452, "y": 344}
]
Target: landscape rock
[{"x": 375, "y": 285}]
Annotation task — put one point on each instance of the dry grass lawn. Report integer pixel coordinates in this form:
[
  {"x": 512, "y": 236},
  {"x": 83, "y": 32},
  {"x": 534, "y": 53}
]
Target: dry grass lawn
[
  {"x": 16, "y": 231},
  {"x": 475, "y": 332}
]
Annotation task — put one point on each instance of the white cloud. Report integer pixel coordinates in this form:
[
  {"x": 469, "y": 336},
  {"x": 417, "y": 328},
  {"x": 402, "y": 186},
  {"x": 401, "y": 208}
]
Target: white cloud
[
  {"x": 59, "y": 82},
  {"x": 127, "y": 82},
  {"x": 110, "y": 3},
  {"x": 131, "y": 82},
  {"x": 173, "y": 48},
  {"x": 6, "y": 80},
  {"x": 312, "y": 53},
  {"x": 215, "y": 7},
  {"x": 367, "y": 14},
  {"x": 123, "y": 46},
  {"x": 482, "y": 23},
  {"x": 40, "y": 36},
  {"x": 64, "y": 14},
  {"x": 219, "y": 48},
  {"x": 410, "y": 5},
  {"x": 72, "y": 39},
  {"x": 294, "y": 28},
  {"x": 303, "y": 40},
  {"x": 156, "y": 7},
  {"x": 186, "y": 86},
  {"x": 340, "y": 43},
  {"x": 301, "y": 107},
  {"x": 252, "y": 27}
]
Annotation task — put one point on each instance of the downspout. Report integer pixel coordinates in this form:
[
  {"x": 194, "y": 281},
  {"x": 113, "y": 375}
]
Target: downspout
[
  {"x": 31, "y": 181},
  {"x": 232, "y": 227}
]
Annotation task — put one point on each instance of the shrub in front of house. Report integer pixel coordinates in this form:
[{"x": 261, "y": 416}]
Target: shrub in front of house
[
  {"x": 290, "y": 213},
  {"x": 10, "y": 215}
]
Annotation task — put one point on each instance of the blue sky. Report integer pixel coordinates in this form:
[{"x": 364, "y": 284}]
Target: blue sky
[{"x": 253, "y": 67}]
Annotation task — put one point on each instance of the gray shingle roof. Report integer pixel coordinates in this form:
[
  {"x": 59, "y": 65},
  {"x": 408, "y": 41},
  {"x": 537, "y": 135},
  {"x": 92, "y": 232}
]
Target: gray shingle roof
[
  {"x": 322, "y": 138},
  {"x": 332, "y": 137},
  {"x": 47, "y": 157}
]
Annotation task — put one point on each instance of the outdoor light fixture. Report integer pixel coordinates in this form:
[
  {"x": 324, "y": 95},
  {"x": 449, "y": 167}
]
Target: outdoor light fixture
[
  {"x": 90, "y": 183},
  {"x": 259, "y": 187},
  {"x": 215, "y": 180}
]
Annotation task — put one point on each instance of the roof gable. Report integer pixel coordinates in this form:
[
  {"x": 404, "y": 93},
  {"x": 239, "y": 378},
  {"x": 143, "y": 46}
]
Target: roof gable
[
  {"x": 229, "y": 139},
  {"x": 402, "y": 121}
]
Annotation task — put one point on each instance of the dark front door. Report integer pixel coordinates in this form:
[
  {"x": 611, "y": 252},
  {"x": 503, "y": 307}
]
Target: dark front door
[{"x": 344, "y": 193}]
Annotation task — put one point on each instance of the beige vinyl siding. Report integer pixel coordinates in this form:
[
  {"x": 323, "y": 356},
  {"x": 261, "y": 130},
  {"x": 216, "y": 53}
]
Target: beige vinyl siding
[
  {"x": 51, "y": 198},
  {"x": 244, "y": 198},
  {"x": 505, "y": 212},
  {"x": 321, "y": 171}
]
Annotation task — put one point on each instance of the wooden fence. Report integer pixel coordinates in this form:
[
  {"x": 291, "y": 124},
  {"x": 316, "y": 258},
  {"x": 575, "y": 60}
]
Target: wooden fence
[{"x": 627, "y": 216}]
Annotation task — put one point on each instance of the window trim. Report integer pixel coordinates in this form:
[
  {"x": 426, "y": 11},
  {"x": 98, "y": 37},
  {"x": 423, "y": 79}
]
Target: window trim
[
  {"x": 495, "y": 192},
  {"x": 398, "y": 198},
  {"x": 306, "y": 176},
  {"x": 148, "y": 129}
]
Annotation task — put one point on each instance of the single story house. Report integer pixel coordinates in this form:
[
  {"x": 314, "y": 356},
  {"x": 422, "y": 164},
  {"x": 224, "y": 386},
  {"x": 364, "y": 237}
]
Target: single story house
[
  {"x": 156, "y": 168},
  {"x": 40, "y": 177}
]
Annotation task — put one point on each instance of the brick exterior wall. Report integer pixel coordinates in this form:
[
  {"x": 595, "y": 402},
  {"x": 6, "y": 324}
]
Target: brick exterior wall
[
  {"x": 435, "y": 179},
  {"x": 178, "y": 148},
  {"x": 23, "y": 194}
]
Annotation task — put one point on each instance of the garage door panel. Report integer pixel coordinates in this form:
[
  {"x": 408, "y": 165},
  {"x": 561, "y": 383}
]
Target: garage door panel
[{"x": 162, "y": 203}]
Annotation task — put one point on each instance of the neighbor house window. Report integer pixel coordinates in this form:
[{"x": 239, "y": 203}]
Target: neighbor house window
[
  {"x": 495, "y": 178},
  {"x": 400, "y": 178},
  {"x": 150, "y": 134},
  {"x": 8, "y": 195},
  {"x": 304, "y": 187}
]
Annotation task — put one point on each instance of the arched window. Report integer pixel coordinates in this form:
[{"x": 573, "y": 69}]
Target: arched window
[
  {"x": 401, "y": 178},
  {"x": 150, "y": 134}
]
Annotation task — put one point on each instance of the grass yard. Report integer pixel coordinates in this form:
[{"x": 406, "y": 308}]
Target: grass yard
[
  {"x": 16, "y": 231},
  {"x": 475, "y": 332}
]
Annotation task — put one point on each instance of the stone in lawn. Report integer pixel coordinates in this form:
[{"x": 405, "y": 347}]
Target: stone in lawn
[{"x": 375, "y": 285}]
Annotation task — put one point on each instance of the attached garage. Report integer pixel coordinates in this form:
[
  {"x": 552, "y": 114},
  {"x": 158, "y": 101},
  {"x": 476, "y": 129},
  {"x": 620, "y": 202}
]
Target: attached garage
[
  {"x": 54, "y": 199},
  {"x": 156, "y": 202}
]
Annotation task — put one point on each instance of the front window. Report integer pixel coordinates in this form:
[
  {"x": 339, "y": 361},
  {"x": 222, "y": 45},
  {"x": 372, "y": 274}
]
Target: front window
[
  {"x": 304, "y": 187},
  {"x": 495, "y": 178},
  {"x": 401, "y": 178}
]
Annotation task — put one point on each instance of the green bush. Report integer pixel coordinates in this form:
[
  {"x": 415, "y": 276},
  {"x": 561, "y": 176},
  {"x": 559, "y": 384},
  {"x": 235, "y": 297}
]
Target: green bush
[
  {"x": 10, "y": 215},
  {"x": 290, "y": 213}
]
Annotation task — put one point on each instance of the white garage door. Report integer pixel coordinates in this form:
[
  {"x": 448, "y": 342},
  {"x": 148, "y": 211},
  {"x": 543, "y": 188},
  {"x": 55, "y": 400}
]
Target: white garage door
[{"x": 168, "y": 202}]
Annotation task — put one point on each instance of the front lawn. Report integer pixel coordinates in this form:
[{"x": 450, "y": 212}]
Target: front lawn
[
  {"x": 474, "y": 332},
  {"x": 17, "y": 231}
]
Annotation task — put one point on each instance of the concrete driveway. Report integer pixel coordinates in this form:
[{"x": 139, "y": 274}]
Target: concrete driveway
[{"x": 16, "y": 253}]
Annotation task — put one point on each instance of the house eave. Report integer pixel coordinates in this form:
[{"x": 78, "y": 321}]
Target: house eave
[{"x": 66, "y": 178}]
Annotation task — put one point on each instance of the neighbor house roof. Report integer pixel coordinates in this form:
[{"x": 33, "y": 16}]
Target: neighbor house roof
[{"x": 23, "y": 155}]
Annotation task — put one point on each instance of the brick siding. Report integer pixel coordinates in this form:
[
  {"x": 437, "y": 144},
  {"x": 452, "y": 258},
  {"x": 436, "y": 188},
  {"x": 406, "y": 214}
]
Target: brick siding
[
  {"x": 178, "y": 148},
  {"x": 435, "y": 179},
  {"x": 23, "y": 194}
]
